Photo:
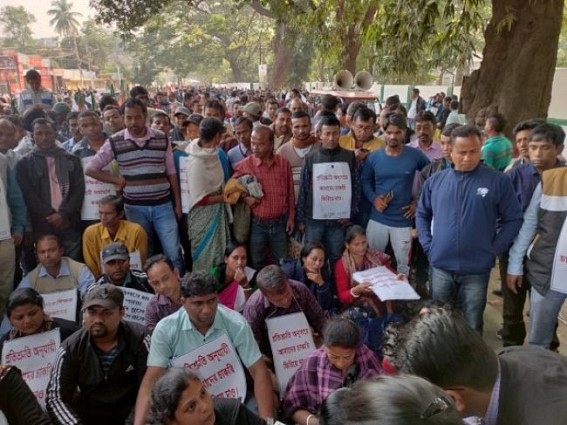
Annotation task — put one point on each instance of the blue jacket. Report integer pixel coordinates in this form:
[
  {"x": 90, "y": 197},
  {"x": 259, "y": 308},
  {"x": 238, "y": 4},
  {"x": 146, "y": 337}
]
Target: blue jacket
[{"x": 477, "y": 216}]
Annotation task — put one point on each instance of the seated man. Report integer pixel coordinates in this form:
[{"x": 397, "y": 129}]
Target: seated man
[
  {"x": 200, "y": 321},
  {"x": 56, "y": 272},
  {"x": 164, "y": 279},
  {"x": 116, "y": 267},
  {"x": 278, "y": 296},
  {"x": 517, "y": 385},
  {"x": 342, "y": 360},
  {"x": 113, "y": 228},
  {"x": 98, "y": 369}
]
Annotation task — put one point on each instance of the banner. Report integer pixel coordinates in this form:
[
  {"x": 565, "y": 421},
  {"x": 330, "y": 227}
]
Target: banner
[
  {"x": 34, "y": 355},
  {"x": 62, "y": 304},
  {"x": 219, "y": 367},
  {"x": 135, "y": 303},
  {"x": 291, "y": 341},
  {"x": 332, "y": 191},
  {"x": 386, "y": 284},
  {"x": 94, "y": 190}
]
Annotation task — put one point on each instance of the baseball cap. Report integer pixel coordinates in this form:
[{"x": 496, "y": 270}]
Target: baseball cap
[
  {"x": 115, "y": 251},
  {"x": 253, "y": 108},
  {"x": 106, "y": 296},
  {"x": 182, "y": 110}
]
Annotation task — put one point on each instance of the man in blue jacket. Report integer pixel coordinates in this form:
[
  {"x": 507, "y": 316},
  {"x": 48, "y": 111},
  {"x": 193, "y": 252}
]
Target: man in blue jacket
[{"x": 477, "y": 216}]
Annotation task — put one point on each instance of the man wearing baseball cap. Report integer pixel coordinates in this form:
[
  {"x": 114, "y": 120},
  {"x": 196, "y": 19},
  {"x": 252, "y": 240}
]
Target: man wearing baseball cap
[
  {"x": 97, "y": 371},
  {"x": 180, "y": 115}
]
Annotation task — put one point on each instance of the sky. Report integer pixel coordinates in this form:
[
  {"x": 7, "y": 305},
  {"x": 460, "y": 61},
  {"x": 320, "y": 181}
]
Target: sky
[{"x": 39, "y": 8}]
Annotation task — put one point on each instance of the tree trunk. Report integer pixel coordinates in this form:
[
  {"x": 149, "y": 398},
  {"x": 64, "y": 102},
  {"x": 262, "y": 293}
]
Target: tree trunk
[
  {"x": 516, "y": 74},
  {"x": 283, "y": 56},
  {"x": 237, "y": 74},
  {"x": 351, "y": 48},
  {"x": 76, "y": 47}
]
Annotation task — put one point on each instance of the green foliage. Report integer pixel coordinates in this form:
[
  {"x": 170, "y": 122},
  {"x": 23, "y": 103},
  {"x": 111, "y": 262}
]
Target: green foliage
[
  {"x": 16, "y": 23},
  {"x": 64, "y": 20}
]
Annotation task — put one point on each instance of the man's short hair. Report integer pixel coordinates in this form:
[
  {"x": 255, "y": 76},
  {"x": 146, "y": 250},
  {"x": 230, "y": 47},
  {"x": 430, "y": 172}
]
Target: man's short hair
[
  {"x": 425, "y": 116},
  {"x": 187, "y": 96},
  {"x": 161, "y": 114},
  {"x": 527, "y": 125},
  {"x": 198, "y": 284},
  {"x": 72, "y": 116},
  {"x": 497, "y": 122},
  {"x": 353, "y": 107},
  {"x": 43, "y": 121},
  {"x": 448, "y": 129},
  {"x": 159, "y": 258},
  {"x": 110, "y": 108},
  {"x": 330, "y": 102},
  {"x": 393, "y": 118},
  {"x": 549, "y": 132},
  {"x": 454, "y": 105},
  {"x": 132, "y": 103},
  {"x": 364, "y": 114},
  {"x": 49, "y": 237},
  {"x": 300, "y": 114},
  {"x": 32, "y": 74},
  {"x": 465, "y": 131},
  {"x": 116, "y": 201},
  {"x": 341, "y": 332},
  {"x": 137, "y": 91},
  {"x": 89, "y": 114},
  {"x": 33, "y": 113},
  {"x": 265, "y": 129},
  {"x": 329, "y": 120},
  {"x": 283, "y": 110},
  {"x": 441, "y": 347},
  {"x": 215, "y": 104},
  {"x": 245, "y": 121},
  {"x": 106, "y": 100},
  {"x": 209, "y": 128},
  {"x": 272, "y": 279},
  {"x": 415, "y": 90}
]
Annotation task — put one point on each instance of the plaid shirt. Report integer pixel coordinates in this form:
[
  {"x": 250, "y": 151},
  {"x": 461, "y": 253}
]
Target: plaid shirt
[
  {"x": 277, "y": 184},
  {"x": 317, "y": 378}
]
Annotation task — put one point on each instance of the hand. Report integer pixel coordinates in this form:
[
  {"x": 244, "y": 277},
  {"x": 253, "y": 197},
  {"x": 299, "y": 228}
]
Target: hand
[
  {"x": 401, "y": 276},
  {"x": 514, "y": 282},
  {"x": 380, "y": 203},
  {"x": 344, "y": 221},
  {"x": 120, "y": 183},
  {"x": 315, "y": 277},
  {"x": 251, "y": 201},
  {"x": 56, "y": 220},
  {"x": 360, "y": 154},
  {"x": 290, "y": 225},
  {"x": 240, "y": 276},
  {"x": 17, "y": 238},
  {"x": 363, "y": 288},
  {"x": 301, "y": 228},
  {"x": 409, "y": 210}
]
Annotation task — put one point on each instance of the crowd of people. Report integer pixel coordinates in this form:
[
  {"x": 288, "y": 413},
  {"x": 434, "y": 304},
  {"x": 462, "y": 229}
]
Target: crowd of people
[{"x": 227, "y": 210}]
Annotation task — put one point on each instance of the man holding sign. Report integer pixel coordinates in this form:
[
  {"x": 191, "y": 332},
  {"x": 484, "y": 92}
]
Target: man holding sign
[
  {"x": 202, "y": 322},
  {"x": 98, "y": 369},
  {"x": 329, "y": 191}
]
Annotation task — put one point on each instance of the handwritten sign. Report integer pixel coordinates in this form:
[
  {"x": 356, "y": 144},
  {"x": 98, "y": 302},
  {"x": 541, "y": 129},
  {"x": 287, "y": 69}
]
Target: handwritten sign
[
  {"x": 219, "y": 367},
  {"x": 34, "y": 355},
  {"x": 386, "y": 285},
  {"x": 94, "y": 191},
  {"x": 332, "y": 191},
  {"x": 184, "y": 184},
  {"x": 5, "y": 232},
  {"x": 559, "y": 272},
  {"x": 62, "y": 304},
  {"x": 135, "y": 303},
  {"x": 291, "y": 341}
]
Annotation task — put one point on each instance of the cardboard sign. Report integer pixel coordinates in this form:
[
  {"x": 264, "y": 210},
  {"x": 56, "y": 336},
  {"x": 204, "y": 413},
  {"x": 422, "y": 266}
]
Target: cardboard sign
[
  {"x": 559, "y": 272},
  {"x": 62, "y": 304},
  {"x": 135, "y": 303},
  {"x": 332, "y": 191},
  {"x": 184, "y": 185},
  {"x": 219, "y": 367},
  {"x": 386, "y": 284},
  {"x": 94, "y": 191},
  {"x": 34, "y": 355},
  {"x": 291, "y": 341}
]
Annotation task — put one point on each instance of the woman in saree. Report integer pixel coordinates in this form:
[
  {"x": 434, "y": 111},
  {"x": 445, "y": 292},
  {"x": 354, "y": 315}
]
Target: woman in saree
[{"x": 208, "y": 215}]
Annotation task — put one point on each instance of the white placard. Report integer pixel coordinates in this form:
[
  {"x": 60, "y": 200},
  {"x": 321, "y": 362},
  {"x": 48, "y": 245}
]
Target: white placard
[
  {"x": 135, "y": 303},
  {"x": 219, "y": 367},
  {"x": 62, "y": 304},
  {"x": 386, "y": 285},
  {"x": 291, "y": 341},
  {"x": 5, "y": 232},
  {"x": 135, "y": 260},
  {"x": 94, "y": 191},
  {"x": 559, "y": 271},
  {"x": 34, "y": 355},
  {"x": 332, "y": 191},
  {"x": 184, "y": 184}
]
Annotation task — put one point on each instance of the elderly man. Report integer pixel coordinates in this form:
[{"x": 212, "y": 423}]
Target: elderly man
[
  {"x": 200, "y": 321},
  {"x": 35, "y": 94},
  {"x": 278, "y": 296},
  {"x": 98, "y": 369}
]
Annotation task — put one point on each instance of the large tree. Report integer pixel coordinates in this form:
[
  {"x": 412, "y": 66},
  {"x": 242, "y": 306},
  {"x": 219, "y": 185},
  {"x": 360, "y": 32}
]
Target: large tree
[
  {"x": 65, "y": 22},
  {"x": 16, "y": 23}
]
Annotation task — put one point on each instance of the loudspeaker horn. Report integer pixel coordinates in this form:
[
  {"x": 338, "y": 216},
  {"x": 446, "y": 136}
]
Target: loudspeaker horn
[
  {"x": 344, "y": 80},
  {"x": 363, "y": 80}
]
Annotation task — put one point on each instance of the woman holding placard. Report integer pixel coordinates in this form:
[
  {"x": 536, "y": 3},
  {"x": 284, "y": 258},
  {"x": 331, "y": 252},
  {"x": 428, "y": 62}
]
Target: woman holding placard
[
  {"x": 361, "y": 304},
  {"x": 25, "y": 312},
  {"x": 179, "y": 398},
  {"x": 235, "y": 279}
]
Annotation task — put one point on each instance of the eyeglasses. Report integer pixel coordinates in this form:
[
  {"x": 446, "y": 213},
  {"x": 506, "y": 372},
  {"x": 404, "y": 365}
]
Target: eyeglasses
[{"x": 119, "y": 250}]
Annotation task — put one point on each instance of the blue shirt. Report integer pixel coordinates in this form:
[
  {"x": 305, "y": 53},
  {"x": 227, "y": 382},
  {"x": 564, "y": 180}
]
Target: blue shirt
[
  {"x": 86, "y": 278},
  {"x": 383, "y": 173},
  {"x": 175, "y": 336},
  {"x": 238, "y": 153},
  {"x": 525, "y": 178}
]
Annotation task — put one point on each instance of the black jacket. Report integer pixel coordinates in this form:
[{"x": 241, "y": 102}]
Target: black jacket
[{"x": 102, "y": 398}]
